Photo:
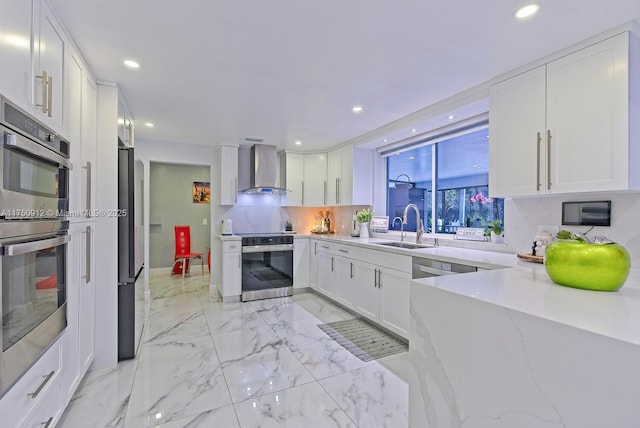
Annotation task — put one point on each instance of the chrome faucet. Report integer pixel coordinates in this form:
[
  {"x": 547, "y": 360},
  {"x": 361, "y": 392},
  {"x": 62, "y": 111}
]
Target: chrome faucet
[
  {"x": 401, "y": 227},
  {"x": 419, "y": 224}
]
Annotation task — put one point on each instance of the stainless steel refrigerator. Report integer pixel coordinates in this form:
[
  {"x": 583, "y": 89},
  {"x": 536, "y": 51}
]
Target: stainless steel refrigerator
[{"x": 131, "y": 293}]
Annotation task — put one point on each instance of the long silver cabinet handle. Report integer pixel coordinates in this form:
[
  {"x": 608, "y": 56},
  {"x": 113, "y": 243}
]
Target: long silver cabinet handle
[
  {"x": 539, "y": 139},
  {"x": 30, "y": 247},
  {"x": 49, "y": 95},
  {"x": 375, "y": 278},
  {"x": 302, "y": 196},
  {"x": 324, "y": 191},
  {"x": 43, "y": 92},
  {"x": 379, "y": 278},
  {"x": 351, "y": 270},
  {"x": 47, "y": 423},
  {"x": 87, "y": 259},
  {"x": 548, "y": 159},
  {"x": 88, "y": 190},
  {"x": 343, "y": 251},
  {"x": 331, "y": 263},
  {"x": 46, "y": 380}
]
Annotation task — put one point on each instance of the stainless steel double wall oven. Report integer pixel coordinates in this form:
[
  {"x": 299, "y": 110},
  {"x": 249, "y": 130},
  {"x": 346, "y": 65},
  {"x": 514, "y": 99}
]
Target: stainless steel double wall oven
[{"x": 34, "y": 232}]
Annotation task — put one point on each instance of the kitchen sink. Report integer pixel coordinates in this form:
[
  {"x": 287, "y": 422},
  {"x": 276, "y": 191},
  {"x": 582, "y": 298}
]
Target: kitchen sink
[{"x": 406, "y": 245}]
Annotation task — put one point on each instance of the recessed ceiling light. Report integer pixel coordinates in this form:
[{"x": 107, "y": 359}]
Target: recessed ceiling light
[
  {"x": 526, "y": 11},
  {"x": 356, "y": 109},
  {"x": 411, "y": 158},
  {"x": 450, "y": 117},
  {"x": 385, "y": 141},
  {"x": 149, "y": 124},
  {"x": 476, "y": 166},
  {"x": 298, "y": 143},
  {"x": 414, "y": 130},
  {"x": 131, "y": 63}
]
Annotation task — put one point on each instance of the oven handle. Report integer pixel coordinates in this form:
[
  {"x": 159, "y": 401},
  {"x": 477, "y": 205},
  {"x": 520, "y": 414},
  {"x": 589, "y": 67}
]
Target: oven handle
[
  {"x": 267, "y": 248},
  {"x": 30, "y": 247},
  {"x": 26, "y": 145}
]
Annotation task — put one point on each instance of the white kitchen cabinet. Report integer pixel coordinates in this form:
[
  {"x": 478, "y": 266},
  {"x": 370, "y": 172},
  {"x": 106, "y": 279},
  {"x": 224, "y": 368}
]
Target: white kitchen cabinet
[
  {"x": 300, "y": 262},
  {"x": 80, "y": 334},
  {"x": 345, "y": 275},
  {"x": 16, "y": 17},
  {"x": 231, "y": 286},
  {"x": 327, "y": 275},
  {"x": 125, "y": 124},
  {"x": 367, "y": 301},
  {"x": 394, "y": 286},
  {"x": 291, "y": 178},
  {"x": 566, "y": 126},
  {"x": 37, "y": 393},
  {"x": 315, "y": 179},
  {"x": 349, "y": 176},
  {"x": 50, "y": 44},
  {"x": 228, "y": 179}
]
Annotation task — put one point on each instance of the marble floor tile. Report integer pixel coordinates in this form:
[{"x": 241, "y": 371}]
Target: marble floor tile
[
  {"x": 398, "y": 364},
  {"x": 288, "y": 311},
  {"x": 236, "y": 345},
  {"x": 174, "y": 380},
  {"x": 372, "y": 397},
  {"x": 322, "y": 308},
  {"x": 224, "y": 417},
  {"x": 306, "y": 406},
  {"x": 320, "y": 354},
  {"x": 226, "y": 317},
  {"x": 263, "y": 373},
  {"x": 102, "y": 398}
]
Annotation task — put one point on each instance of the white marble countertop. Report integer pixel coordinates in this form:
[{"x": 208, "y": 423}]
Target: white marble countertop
[{"x": 526, "y": 287}]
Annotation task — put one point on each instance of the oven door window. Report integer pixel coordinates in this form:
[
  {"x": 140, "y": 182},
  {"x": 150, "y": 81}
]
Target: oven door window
[
  {"x": 30, "y": 175},
  {"x": 269, "y": 269},
  {"x": 33, "y": 287}
]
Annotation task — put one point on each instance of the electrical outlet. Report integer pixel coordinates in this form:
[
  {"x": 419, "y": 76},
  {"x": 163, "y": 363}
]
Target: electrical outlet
[{"x": 204, "y": 222}]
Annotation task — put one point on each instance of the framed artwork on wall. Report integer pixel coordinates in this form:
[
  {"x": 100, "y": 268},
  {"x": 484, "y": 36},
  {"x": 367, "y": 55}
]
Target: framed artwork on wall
[{"x": 201, "y": 193}]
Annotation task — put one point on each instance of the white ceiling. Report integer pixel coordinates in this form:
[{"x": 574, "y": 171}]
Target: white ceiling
[{"x": 284, "y": 70}]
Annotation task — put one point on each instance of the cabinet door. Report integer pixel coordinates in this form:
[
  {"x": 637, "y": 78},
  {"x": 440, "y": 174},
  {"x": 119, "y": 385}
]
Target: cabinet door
[
  {"x": 50, "y": 58},
  {"x": 587, "y": 115},
  {"x": 300, "y": 263},
  {"x": 345, "y": 184},
  {"x": 315, "y": 180},
  {"x": 88, "y": 151},
  {"x": 86, "y": 300},
  {"x": 334, "y": 170},
  {"x": 15, "y": 51},
  {"x": 345, "y": 279},
  {"x": 517, "y": 135},
  {"x": 365, "y": 290},
  {"x": 231, "y": 274},
  {"x": 394, "y": 300},
  {"x": 74, "y": 283},
  {"x": 327, "y": 274},
  {"x": 73, "y": 97},
  {"x": 228, "y": 157},
  {"x": 293, "y": 176}
]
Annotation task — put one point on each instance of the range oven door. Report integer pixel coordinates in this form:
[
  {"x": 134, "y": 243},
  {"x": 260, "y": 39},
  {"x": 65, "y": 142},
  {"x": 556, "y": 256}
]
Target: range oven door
[
  {"x": 267, "y": 271},
  {"x": 33, "y": 298}
]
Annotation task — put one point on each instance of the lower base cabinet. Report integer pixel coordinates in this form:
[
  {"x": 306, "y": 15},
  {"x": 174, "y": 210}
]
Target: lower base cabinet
[
  {"x": 231, "y": 280},
  {"x": 394, "y": 288}
]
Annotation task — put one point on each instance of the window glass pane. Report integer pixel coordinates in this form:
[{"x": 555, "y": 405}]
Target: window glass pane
[
  {"x": 409, "y": 182},
  {"x": 462, "y": 184}
]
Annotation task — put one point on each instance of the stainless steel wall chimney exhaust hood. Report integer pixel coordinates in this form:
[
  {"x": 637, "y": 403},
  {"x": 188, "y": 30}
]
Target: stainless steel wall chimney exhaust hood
[{"x": 264, "y": 170}]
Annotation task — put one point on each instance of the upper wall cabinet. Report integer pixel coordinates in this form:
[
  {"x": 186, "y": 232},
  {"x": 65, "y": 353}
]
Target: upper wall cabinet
[
  {"x": 125, "y": 124},
  {"x": 348, "y": 184},
  {"x": 566, "y": 126},
  {"x": 305, "y": 176},
  {"x": 15, "y": 50},
  {"x": 33, "y": 68},
  {"x": 228, "y": 167}
]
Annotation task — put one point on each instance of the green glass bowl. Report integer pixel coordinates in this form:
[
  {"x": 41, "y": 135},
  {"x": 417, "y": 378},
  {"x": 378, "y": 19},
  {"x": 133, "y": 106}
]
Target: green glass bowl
[{"x": 599, "y": 267}]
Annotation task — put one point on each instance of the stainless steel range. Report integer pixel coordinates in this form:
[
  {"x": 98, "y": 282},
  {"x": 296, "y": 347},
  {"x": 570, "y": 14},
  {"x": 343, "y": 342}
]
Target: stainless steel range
[{"x": 267, "y": 266}]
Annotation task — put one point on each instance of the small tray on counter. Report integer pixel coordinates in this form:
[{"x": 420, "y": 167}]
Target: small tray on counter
[
  {"x": 530, "y": 258},
  {"x": 321, "y": 233}
]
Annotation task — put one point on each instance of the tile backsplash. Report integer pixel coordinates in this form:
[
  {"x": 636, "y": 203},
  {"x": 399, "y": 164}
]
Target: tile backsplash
[{"x": 523, "y": 215}]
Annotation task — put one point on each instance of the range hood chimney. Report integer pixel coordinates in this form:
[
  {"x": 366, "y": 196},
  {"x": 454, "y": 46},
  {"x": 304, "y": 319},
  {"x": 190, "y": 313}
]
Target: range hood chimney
[{"x": 264, "y": 171}]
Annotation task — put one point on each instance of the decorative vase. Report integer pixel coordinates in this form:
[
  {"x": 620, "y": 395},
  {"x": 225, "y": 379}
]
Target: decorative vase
[
  {"x": 495, "y": 238},
  {"x": 364, "y": 230}
]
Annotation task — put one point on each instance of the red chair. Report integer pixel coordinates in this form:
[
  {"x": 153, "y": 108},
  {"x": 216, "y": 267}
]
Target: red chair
[{"x": 183, "y": 254}]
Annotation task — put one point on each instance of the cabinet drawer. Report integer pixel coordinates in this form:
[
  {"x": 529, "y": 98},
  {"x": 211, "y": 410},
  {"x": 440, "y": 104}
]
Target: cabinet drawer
[
  {"x": 47, "y": 412},
  {"x": 231, "y": 246},
  {"x": 325, "y": 247},
  {"x": 389, "y": 260},
  {"x": 345, "y": 250},
  {"x": 39, "y": 380}
]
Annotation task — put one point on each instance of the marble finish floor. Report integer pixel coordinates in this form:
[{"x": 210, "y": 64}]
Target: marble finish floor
[{"x": 262, "y": 364}]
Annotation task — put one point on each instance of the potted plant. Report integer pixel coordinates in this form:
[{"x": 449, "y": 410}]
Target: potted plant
[
  {"x": 288, "y": 226},
  {"x": 364, "y": 217},
  {"x": 494, "y": 230}
]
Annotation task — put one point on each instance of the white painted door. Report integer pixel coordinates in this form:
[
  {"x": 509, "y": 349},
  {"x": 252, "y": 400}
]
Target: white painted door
[
  {"x": 365, "y": 290},
  {"x": 345, "y": 196},
  {"x": 345, "y": 292},
  {"x": 228, "y": 157},
  {"x": 334, "y": 169},
  {"x": 315, "y": 180},
  {"x": 293, "y": 179},
  {"x": 313, "y": 264},
  {"x": 300, "y": 263},
  {"x": 231, "y": 271},
  {"x": 394, "y": 300},
  {"x": 86, "y": 327},
  {"x": 15, "y": 51},
  {"x": 326, "y": 274},
  {"x": 517, "y": 135},
  {"x": 587, "y": 117}
]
